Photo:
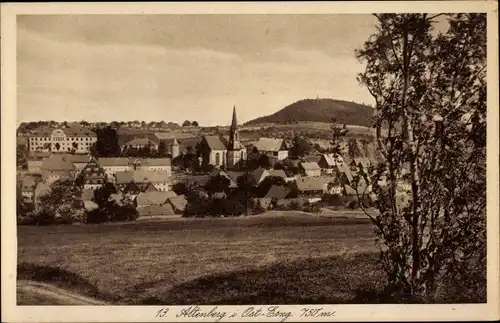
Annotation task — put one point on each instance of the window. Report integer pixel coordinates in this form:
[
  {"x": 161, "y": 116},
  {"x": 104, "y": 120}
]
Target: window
[{"x": 217, "y": 159}]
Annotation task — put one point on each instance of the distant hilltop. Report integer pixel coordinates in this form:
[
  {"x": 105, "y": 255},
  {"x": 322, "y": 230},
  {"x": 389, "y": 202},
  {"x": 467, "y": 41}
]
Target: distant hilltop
[{"x": 320, "y": 110}]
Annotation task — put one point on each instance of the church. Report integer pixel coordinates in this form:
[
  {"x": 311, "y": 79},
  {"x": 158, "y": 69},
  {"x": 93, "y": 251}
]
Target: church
[{"x": 224, "y": 152}]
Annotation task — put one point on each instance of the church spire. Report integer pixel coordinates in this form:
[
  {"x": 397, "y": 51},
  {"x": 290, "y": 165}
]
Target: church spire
[{"x": 234, "y": 123}]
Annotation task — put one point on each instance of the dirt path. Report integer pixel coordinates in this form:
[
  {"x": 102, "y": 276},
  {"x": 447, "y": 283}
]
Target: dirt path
[{"x": 36, "y": 290}]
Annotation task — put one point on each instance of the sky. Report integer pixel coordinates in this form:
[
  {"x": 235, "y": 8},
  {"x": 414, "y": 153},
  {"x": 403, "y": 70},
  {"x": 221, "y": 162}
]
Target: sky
[{"x": 178, "y": 67}]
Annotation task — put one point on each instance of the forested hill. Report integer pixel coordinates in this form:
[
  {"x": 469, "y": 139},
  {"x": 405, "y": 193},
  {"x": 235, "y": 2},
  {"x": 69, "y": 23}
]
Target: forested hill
[{"x": 320, "y": 110}]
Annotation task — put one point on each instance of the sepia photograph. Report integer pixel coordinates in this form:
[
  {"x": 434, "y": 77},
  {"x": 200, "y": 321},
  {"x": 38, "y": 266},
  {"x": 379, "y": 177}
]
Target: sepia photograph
[{"x": 211, "y": 160}]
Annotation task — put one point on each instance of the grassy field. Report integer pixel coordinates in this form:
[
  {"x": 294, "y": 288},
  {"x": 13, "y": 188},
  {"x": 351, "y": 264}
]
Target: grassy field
[
  {"x": 287, "y": 258},
  {"x": 156, "y": 261}
]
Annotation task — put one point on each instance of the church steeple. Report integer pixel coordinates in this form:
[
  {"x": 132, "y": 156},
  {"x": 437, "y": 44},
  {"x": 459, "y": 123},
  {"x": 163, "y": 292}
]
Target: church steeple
[{"x": 234, "y": 123}]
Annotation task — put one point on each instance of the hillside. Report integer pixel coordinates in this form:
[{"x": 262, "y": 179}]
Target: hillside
[{"x": 320, "y": 110}]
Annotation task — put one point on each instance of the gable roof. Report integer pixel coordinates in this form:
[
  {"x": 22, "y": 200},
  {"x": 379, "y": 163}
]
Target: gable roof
[
  {"x": 259, "y": 174},
  {"x": 330, "y": 159},
  {"x": 142, "y": 176},
  {"x": 309, "y": 165},
  {"x": 73, "y": 158},
  {"x": 57, "y": 163},
  {"x": 150, "y": 210},
  {"x": 269, "y": 144},
  {"x": 178, "y": 202},
  {"x": 156, "y": 161},
  {"x": 140, "y": 142},
  {"x": 278, "y": 192},
  {"x": 153, "y": 197},
  {"x": 310, "y": 184},
  {"x": 215, "y": 143},
  {"x": 113, "y": 161},
  {"x": 277, "y": 173}
]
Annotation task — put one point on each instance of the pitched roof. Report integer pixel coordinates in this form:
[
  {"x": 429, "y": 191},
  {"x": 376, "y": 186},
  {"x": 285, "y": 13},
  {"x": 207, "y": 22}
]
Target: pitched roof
[
  {"x": 309, "y": 165},
  {"x": 269, "y": 144},
  {"x": 331, "y": 160},
  {"x": 150, "y": 210},
  {"x": 142, "y": 176},
  {"x": 57, "y": 163},
  {"x": 215, "y": 143},
  {"x": 258, "y": 174},
  {"x": 352, "y": 191},
  {"x": 28, "y": 183},
  {"x": 277, "y": 173},
  {"x": 233, "y": 175},
  {"x": 140, "y": 142},
  {"x": 153, "y": 197},
  {"x": 42, "y": 189},
  {"x": 113, "y": 161},
  {"x": 156, "y": 161},
  {"x": 278, "y": 192},
  {"x": 310, "y": 184},
  {"x": 178, "y": 202},
  {"x": 77, "y": 158}
]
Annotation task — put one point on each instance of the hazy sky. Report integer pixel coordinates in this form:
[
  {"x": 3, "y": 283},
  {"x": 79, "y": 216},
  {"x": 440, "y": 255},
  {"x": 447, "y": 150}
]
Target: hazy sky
[{"x": 178, "y": 67}]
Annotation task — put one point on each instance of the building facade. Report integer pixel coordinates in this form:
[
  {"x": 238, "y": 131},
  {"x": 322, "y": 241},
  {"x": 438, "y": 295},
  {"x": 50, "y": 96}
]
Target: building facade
[{"x": 73, "y": 140}]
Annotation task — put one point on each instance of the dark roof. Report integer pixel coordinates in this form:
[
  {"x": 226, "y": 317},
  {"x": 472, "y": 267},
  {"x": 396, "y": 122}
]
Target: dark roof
[
  {"x": 57, "y": 163},
  {"x": 151, "y": 210},
  {"x": 277, "y": 173},
  {"x": 215, "y": 143},
  {"x": 278, "y": 192},
  {"x": 142, "y": 176},
  {"x": 257, "y": 174},
  {"x": 153, "y": 197},
  {"x": 178, "y": 202},
  {"x": 309, "y": 165}
]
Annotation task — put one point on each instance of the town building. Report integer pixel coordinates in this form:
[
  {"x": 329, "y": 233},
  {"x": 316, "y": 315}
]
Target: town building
[
  {"x": 272, "y": 147},
  {"x": 76, "y": 140},
  {"x": 92, "y": 176},
  {"x": 329, "y": 162},
  {"x": 112, "y": 165},
  {"x": 310, "y": 186},
  {"x": 55, "y": 168},
  {"x": 134, "y": 182},
  {"x": 153, "y": 198},
  {"x": 310, "y": 169},
  {"x": 219, "y": 152},
  {"x": 154, "y": 164},
  {"x": 140, "y": 143}
]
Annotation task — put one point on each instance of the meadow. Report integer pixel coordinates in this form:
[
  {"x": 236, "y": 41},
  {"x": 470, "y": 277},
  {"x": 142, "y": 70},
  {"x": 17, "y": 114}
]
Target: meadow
[
  {"x": 287, "y": 258},
  {"x": 204, "y": 261}
]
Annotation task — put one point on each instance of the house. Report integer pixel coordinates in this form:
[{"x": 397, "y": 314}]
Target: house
[
  {"x": 55, "y": 168},
  {"x": 310, "y": 186},
  {"x": 138, "y": 181},
  {"x": 92, "y": 176},
  {"x": 258, "y": 175},
  {"x": 310, "y": 169},
  {"x": 74, "y": 139},
  {"x": 28, "y": 186},
  {"x": 112, "y": 165},
  {"x": 139, "y": 143},
  {"x": 233, "y": 183},
  {"x": 178, "y": 203},
  {"x": 278, "y": 192},
  {"x": 344, "y": 174},
  {"x": 272, "y": 147},
  {"x": 42, "y": 189},
  {"x": 219, "y": 152},
  {"x": 214, "y": 151},
  {"x": 329, "y": 162},
  {"x": 156, "y": 210},
  {"x": 153, "y": 198},
  {"x": 154, "y": 164}
]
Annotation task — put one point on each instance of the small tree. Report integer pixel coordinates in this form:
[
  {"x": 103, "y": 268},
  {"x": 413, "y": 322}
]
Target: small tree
[
  {"x": 194, "y": 123},
  {"x": 186, "y": 123},
  {"x": 300, "y": 147},
  {"x": 264, "y": 161}
]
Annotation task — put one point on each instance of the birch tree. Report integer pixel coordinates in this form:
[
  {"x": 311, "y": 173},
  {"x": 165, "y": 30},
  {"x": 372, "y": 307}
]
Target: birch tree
[{"x": 430, "y": 115}]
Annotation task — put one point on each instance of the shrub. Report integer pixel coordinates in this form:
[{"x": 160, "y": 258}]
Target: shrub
[
  {"x": 332, "y": 199},
  {"x": 97, "y": 216},
  {"x": 353, "y": 205}
]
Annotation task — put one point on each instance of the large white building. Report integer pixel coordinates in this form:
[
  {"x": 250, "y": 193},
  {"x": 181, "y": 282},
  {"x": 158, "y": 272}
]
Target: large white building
[{"x": 74, "y": 140}]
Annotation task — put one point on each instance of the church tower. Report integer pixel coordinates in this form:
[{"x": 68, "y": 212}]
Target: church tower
[{"x": 235, "y": 150}]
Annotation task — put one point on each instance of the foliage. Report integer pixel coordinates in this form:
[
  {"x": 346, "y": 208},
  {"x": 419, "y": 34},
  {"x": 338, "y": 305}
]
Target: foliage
[
  {"x": 332, "y": 199},
  {"x": 267, "y": 183},
  {"x": 217, "y": 184},
  {"x": 179, "y": 188},
  {"x": 186, "y": 123},
  {"x": 195, "y": 124},
  {"x": 106, "y": 144},
  {"x": 264, "y": 161},
  {"x": 430, "y": 93},
  {"x": 22, "y": 156},
  {"x": 301, "y": 146}
]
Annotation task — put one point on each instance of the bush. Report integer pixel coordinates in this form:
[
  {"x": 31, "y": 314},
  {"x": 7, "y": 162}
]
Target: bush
[
  {"x": 332, "y": 199},
  {"x": 97, "y": 216},
  {"x": 353, "y": 205}
]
